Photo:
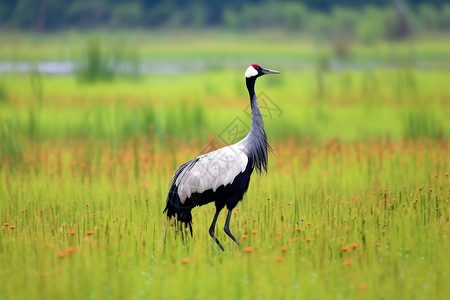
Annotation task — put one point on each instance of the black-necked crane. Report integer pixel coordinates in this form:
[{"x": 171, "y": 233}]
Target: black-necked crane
[{"x": 221, "y": 176}]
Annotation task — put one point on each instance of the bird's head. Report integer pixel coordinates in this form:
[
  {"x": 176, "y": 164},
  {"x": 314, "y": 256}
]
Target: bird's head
[{"x": 255, "y": 71}]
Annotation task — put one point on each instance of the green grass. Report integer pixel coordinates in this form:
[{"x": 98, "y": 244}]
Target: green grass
[
  {"x": 334, "y": 194},
  {"x": 357, "y": 190}
]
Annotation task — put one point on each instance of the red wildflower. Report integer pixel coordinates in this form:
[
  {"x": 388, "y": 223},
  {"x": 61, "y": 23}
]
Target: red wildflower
[
  {"x": 284, "y": 249},
  {"x": 12, "y": 227},
  {"x": 245, "y": 237},
  {"x": 279, "y": 258},
  {"x": 5, "y": 224},
  {"x": 72, "y": 232},
  {"x": 248, "y": 249},
  {"x": 348, "y": 262},
  {"x": 61, "y": 255},
  {"x": 254, "y": 231},
  {"x": 345, "y": 249},
  {"x": 185, "y": 261},
  {"x": 308, "y": 240},
  {"x": 89, "y": 232},
  {"x": 70, "y": 249},
  {"x": 354, "y": 246}
]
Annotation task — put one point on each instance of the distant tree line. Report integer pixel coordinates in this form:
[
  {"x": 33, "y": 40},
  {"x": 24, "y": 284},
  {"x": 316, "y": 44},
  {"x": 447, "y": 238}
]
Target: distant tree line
[{"x": 367, "y": 20}]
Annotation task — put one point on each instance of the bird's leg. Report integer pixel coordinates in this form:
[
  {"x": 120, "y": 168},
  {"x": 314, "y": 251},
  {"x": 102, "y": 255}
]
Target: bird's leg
[
  {"x": 213, "y": 226},
  {"x": 226, "y": 228}
]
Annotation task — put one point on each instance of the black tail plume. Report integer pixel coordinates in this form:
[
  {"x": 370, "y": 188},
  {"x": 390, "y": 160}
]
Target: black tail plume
[{"x": 174, "y": 209}]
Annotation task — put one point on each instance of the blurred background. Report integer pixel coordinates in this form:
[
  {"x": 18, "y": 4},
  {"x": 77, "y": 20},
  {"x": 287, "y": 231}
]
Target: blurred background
[{"x": 112, "y": 70}]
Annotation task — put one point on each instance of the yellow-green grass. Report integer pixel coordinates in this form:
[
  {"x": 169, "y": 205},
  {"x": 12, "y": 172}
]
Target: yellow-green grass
[
  {"x": 212, "y": 45},
  {"x": 358, "y": 220},
  {"x": 357, "y": 191},
  {"x": 350, "y": 105}
]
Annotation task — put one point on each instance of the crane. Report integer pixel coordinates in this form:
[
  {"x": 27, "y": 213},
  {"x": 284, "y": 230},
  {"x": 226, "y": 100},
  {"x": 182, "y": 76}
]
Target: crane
[{"x": 221, "y": 176}]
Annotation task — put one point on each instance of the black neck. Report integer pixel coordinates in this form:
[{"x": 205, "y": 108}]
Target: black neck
[{"x": 257, "y": 136}]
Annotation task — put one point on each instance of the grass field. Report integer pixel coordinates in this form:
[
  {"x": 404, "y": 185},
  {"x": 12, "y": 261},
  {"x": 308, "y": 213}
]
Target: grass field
[{"x": 355, "y": 205}]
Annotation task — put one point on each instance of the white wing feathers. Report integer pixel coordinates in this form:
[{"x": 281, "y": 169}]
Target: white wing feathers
[{"x": 211, "y": 171}]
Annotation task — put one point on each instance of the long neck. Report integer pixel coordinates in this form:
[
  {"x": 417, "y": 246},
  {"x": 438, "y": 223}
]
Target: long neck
[{"x": 256, "y": 139}]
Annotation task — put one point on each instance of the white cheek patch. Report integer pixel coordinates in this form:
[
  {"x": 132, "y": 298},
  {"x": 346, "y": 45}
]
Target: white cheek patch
[{"x": 250, "y": 72}]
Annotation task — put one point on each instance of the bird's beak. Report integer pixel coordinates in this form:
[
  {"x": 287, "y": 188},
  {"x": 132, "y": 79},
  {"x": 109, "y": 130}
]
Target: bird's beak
[{"x": 267, "y": 71}]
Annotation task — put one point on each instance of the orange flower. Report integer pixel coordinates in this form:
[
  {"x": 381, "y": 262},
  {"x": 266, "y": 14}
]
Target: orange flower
[
  {"x": 345, "y": 249},
  {"x": 185, "y": 261},
  {"x": 277, "y": 233},
  {"x": 195, "y": 214},
  {"x": 284, "y": 249},
  {"x": 5, "y": 224},
  {"x": 254, "y": 231},
  {"x": 377, "y": 245},
  {"x": 248, "y": 249},
  {"x": 86, "y": 204},
  {"x": 245, "y": 237},
  {"x": 446, "y": 174},
  {"x": 72, "y": 232},
  {"x": 70, "y": 249},
  {"x": 436, "y": 175},
  {"x": 288, "y": 203},
  {"x": 354, "y": 246},
  {"x": 237, "y": 209},
  {"x": 298, "y": 229},
  {"x": 308, "y": 240},
  {"x": 93, "y": 215},
  {"x": 362, "y": 287},
  {"x": 61, "y": 255},
  {"x": 348, "y": 262},
  {"x": 89, "y": 232},
  {"x": 12, "y": 227},
  {"x": 279, "y": 258},
  {"x": 292, "y": 240}
]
